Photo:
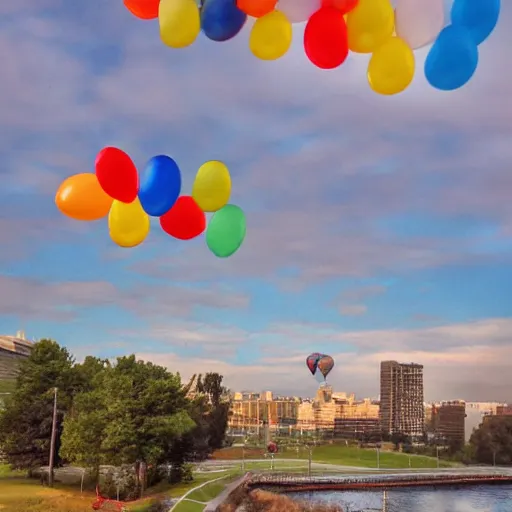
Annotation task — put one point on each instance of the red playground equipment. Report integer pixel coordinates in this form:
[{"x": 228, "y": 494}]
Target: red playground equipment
[{"x": 102, "y": 503}]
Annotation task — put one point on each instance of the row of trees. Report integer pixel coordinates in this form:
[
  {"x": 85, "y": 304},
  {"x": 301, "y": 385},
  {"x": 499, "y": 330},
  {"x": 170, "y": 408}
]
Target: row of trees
[{"x": 126, "y": 413}]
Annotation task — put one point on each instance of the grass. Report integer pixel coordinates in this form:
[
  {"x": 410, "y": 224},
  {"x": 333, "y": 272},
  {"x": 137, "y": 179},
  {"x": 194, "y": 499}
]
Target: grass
[
  {"x": 7, "y": 385},
  {"x": 342, "y": 455},
  {"x": 20, "y": 494},
  {"x": 23, "y": 495},
  {"x": 205, "y": 494}
]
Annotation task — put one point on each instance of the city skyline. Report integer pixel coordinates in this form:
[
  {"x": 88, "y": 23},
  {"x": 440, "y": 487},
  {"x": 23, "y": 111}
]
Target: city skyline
[{"x": 378, "y": 228}]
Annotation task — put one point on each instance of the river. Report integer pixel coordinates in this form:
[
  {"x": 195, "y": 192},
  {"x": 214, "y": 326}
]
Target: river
[{"x": 483, "y": 498}]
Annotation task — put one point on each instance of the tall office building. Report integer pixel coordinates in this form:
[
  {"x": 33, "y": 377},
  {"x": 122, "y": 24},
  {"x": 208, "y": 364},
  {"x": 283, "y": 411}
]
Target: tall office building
[{"x": 401, "y": 398}]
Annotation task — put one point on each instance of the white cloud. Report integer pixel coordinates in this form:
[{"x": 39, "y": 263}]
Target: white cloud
[
  {"x": 353, "y": 309},
  {"x": 461, "y": 360}
]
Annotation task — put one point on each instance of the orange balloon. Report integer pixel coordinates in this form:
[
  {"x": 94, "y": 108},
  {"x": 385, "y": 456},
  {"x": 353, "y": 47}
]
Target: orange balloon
[
  {"x": 82, "y": 198},
  {"x": 256, "y": 8},
  {"x": 143, "y": 9}
]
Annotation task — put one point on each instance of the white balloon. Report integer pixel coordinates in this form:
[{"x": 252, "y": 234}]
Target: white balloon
[
  {"x": 419, "y": 22},
  {"x": 298, "y": 11}
]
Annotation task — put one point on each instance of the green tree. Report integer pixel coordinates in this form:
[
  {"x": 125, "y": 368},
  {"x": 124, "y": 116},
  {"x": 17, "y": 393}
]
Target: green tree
[
  {"x": 135, "y": 411},
  {"x": 213, "y": 404},
  {"x": 26, "y": 421},
  {"x": 492, "y": 441}
]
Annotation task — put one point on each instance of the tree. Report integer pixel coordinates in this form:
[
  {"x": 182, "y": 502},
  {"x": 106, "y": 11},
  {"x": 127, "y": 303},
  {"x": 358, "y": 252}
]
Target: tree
[
  {"x": 213, "y": 404},
  {"x": 491, "y": 442},
  {"x": 26, "y": 421},
  {"x": 135, "y": 411}
]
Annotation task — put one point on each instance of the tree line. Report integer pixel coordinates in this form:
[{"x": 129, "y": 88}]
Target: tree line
[{"x": 124, "y": 413}]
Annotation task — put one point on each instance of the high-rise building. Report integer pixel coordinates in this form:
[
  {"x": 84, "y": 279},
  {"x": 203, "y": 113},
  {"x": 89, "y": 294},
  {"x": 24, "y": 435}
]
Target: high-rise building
[
  {"x": 448, "y": 422},
  {"x": 401, "y": 398}
]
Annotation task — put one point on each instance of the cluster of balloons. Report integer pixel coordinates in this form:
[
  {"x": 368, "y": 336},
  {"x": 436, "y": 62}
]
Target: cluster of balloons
[
  {"x": 320, "y": 364},
  {"x": 389, "y": 30},
  {"x": 129, "y": 200}
]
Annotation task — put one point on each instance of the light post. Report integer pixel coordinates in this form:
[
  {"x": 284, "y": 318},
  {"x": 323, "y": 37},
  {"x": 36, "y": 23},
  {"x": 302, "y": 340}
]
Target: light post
[
  {"x": 437, "y": 455},
  {"x": 52, "y": 440},
  {"x": 378, "y": 456}
]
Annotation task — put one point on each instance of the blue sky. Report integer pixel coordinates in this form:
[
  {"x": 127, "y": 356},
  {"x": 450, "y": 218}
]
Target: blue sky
[{"x": 377, "y": 227}]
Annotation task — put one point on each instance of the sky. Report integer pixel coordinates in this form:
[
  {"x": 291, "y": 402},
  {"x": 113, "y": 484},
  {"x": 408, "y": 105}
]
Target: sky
[{"x": 378, "y": 227}]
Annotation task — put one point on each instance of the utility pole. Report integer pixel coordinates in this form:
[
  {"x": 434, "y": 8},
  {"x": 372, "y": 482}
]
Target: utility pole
[{"x": 52, "y": 441}]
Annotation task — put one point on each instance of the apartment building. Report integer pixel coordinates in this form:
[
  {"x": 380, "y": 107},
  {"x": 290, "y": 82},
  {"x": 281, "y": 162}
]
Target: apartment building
[
  {"x": 401, "y": 398},
  {"x": 449, "y": 421}
]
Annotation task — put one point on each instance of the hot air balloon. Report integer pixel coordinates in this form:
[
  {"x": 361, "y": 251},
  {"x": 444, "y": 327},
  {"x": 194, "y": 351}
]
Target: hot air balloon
[
  {"x": 312, "y": 361},
  {"x": 325, "y": 365}
]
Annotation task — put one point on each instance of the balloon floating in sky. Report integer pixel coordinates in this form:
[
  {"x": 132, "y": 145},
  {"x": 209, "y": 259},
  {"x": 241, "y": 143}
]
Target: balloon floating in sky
[
  {"x": 212, "y": 187},
  {"x": 221, "y": 20},
  {"x": 160, "y": 185},
  {"x": 185, "y": 220},
  {"x": 226, "y": 231},
  {"x": 452, "y": 60},
  {"x": 128, "y": 223},
  {"x": 478, "y": 17},
  {"x": 389, "y": 30},
  {"x": 82, "y": 198},
  {"x": 116, "y": 191},
  {"x": 312, "y": 362},
  {"x": 320, "y": 365}
]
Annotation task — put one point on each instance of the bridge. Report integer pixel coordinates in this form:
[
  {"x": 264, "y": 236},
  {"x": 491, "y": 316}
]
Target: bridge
[{"x": 293, "y": 483}]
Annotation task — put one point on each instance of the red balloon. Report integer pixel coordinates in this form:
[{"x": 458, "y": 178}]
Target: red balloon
[
  {"x": 185, "y": 220},
  {"x": 143, "y": 9},
  {"x": 345, "y": 6},
  {"x": 326, "y": 39},
  {"x": 117, "y": 174}
]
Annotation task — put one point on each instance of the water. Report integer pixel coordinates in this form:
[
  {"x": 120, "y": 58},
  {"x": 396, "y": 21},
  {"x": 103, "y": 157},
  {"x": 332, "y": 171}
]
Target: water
[{"x": 495, "y": 498}]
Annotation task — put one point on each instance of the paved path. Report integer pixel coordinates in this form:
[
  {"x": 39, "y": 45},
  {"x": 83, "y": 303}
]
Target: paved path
[{"x": 184, "y": 497}]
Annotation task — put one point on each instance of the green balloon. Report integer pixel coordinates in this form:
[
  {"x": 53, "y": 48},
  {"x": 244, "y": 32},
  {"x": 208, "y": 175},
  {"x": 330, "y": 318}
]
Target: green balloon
[{"x": 226, "y": 231}]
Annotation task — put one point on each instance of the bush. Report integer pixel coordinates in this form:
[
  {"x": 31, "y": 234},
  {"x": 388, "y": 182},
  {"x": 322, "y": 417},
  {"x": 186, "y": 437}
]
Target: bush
[
  {"x": 181, "y": 473},
  {"x": 121, "y": 479}
]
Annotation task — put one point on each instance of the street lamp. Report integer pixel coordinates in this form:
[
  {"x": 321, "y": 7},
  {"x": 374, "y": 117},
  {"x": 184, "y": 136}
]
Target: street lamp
[{"x": 52, "y": 440}]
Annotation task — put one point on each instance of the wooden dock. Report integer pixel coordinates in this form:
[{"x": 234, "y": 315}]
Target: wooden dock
[{"x": 278, "y": 483}]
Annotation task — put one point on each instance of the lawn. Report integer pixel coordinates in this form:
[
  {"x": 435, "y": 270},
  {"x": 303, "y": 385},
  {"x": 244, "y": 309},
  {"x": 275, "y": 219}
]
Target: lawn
[
  {"x": 340, "y": 454},
  {"x": 23, "y": 495},
  {"x": 7, "y": 385},
  {"x": 19, "y": 494},
  {"x": 204, "y": 495}
]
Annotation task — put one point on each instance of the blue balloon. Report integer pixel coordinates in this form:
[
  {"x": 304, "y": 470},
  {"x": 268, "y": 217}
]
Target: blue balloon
[
  {"x": 452, "y": 60},
  {"x": 479, "y": 17},
  {"x": 221, "y": 19},
  {"x": 160, "y": 185}
]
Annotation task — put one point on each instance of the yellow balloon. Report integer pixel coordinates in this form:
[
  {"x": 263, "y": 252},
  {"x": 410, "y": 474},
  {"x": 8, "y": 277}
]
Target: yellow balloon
[
  {"x": 391, "y": 67},
  {"x": 180, "y": 22},
  {"x": 369, "y": 25},
  {"x": 271, "y": 36},
  {"x": 212, "y": 186},
  {"x": 128, "y": 223}
]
